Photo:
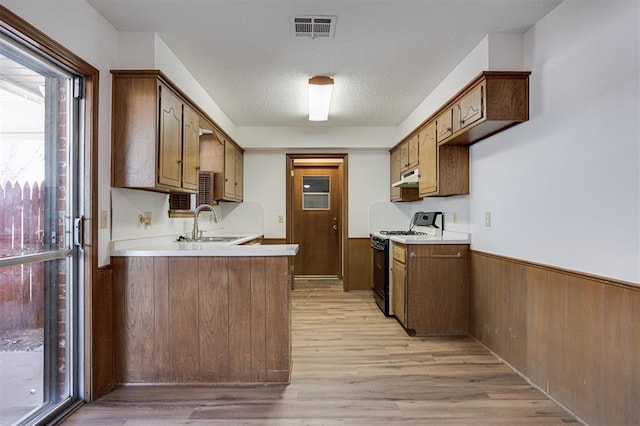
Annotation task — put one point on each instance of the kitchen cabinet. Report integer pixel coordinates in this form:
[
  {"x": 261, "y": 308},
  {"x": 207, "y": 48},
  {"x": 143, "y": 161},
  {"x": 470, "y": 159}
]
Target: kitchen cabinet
[
  {"x": 397, "y": 193},
  {"x": 201, "y": 319},
  {"x": 444, "y": 125},
  {"x": 444, "y": 170},
  {"x": 431, "y": 288},
  {"x": 154, "y": 134},
  {"x": 233, "y": 172},
  {"x": 492, "y": 102},
  {"x": 409, "y": 154},
  {"x": 218, "y": 154}
]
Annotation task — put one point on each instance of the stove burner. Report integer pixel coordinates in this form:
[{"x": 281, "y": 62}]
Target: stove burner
[{"x": 402, "y": 233}]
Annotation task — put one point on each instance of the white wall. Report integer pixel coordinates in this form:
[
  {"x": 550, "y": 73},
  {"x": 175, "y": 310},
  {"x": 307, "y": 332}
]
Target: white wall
[
  {"x": 265, "y": 185},
  {"x": 564, "y": 188}
]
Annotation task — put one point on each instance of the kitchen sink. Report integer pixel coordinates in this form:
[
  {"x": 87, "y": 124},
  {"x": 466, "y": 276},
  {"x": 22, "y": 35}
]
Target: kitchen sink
[{"x": 213, "y": 239}]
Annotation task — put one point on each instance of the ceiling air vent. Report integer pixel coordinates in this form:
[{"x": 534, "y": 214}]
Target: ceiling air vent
[{"x": 314, "y": 26}]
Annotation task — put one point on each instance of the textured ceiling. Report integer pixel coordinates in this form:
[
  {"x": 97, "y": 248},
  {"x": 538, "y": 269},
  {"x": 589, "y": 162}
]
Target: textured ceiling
[{"x": 386, "y": 56}]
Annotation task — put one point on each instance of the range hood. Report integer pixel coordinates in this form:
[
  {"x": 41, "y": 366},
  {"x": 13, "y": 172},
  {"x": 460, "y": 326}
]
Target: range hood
[{"x": 408, "y": 180}]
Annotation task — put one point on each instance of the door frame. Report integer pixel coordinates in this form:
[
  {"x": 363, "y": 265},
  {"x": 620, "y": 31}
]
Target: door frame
[
  {"x": 30, "y": 36},
  {"x": 344, "y": 235}
]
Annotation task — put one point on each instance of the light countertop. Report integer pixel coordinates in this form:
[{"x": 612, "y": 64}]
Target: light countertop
[
  {"x": 168, "y": 246},
  {"x": 447, "y": 237}
]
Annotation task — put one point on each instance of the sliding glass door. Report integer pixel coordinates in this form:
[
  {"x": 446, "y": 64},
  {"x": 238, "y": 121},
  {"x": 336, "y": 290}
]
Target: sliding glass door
[{"x": 40, "y": 234}]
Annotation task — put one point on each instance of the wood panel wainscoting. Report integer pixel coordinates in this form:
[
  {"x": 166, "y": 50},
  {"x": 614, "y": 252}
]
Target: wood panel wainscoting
[
  {"x": 183, "y": 320},
  {"x": 359, "y": 264},
  {"x": 575, "y": 336},
  {"x": 100, "y": 359}
]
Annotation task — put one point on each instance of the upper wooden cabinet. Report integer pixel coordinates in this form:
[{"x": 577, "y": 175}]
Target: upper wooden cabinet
[
  {"x": 154, "y": 134},
  {"x": 493, "y": 101},
  {"x": 397, "y": 193},
  {"x": 444, "y": 125},
  {"x": 444, "y": 170},
  {"x": 428, "y": 149},
  {"x": 409, "y": 154},
  {"x": 233, "y": 172},
  {"x": 226, "y": 160}
]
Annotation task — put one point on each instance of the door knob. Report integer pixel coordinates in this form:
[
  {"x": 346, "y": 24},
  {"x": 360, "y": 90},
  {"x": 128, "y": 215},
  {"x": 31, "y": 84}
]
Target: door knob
[{"x": 335, "y": 227}]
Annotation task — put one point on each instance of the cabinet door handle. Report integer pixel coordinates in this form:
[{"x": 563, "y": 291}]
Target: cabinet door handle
[{"x": 450, "y": 256}]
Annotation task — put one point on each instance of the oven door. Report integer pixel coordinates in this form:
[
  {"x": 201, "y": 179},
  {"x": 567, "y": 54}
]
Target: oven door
[{"x": 381, "y": 275}]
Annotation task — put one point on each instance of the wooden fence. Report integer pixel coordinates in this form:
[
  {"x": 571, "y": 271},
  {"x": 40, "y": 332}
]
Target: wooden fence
[{"x": 21, "y": 231}]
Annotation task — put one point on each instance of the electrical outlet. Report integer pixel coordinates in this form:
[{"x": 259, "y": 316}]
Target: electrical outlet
[
  {"x": 147, "y": 218},
  {"x": 280, "y": 218},
  {"x": 103, "y": 219},
  {"x": 487, "y": 219}
]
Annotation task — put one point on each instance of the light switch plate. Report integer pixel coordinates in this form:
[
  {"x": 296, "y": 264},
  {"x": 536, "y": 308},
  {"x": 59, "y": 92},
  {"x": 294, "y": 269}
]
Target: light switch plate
[{"x": 487, "y": 219}]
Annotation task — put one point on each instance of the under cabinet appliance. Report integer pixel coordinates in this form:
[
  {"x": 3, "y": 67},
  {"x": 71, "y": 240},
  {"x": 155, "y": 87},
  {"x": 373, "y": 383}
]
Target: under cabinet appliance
[
  {"x": 381, "y": 276},
  {"x": 408, "y": 180}
]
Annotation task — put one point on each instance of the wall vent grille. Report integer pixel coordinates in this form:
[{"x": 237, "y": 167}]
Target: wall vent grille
[
  {"x": 205, "y": 188},
  {"x": 313, "y": 26}
]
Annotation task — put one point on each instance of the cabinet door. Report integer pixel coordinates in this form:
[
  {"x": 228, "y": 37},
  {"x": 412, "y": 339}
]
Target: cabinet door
[
  {"x": 412, "y": 152},
  {"x": 239, "y": 174},
  {"x": 229, "y": 171},
  {"x": 170, "y": 143},
  {"x": 444, "y": 125},
  {"x": 399, "y": 288},
  {"x": 469, "y": 109},
  {"x": 190, "y": 148},
  {"x": 428, "y": 150},
  {"x": 395, "y": 174}
]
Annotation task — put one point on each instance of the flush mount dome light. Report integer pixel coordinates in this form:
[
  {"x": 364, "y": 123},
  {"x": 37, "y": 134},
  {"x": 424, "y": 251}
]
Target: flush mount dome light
[{"x": 320, "y": 89}]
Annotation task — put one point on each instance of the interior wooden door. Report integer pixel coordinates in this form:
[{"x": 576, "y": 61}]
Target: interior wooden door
[{"x": 317, "y": 214}]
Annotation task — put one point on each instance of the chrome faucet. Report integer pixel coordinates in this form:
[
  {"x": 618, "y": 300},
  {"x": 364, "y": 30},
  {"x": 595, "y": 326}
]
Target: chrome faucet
[{"x": 195, "y": 232}]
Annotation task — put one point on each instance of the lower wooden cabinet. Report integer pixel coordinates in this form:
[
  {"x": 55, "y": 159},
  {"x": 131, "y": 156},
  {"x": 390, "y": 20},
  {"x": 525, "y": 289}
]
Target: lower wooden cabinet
[
  {"x": 183, "y": 320},
  {"x": 431, "y": 288}
]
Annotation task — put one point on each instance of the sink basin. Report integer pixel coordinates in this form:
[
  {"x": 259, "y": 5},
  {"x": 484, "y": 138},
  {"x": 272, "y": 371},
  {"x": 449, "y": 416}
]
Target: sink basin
[{"x": 213, "y": 239}]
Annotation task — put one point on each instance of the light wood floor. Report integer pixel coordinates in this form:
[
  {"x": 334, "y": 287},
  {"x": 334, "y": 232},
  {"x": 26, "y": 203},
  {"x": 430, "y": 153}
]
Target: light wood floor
[{"x": 352, "y": 366}]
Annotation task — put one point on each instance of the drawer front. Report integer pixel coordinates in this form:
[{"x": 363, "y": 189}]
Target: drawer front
[
  {"x": 444, "y": 127},
  {"x": 400, "y": 254}
]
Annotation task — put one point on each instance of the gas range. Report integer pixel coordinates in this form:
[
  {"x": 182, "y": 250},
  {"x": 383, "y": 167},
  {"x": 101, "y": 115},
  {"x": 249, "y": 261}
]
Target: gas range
[{"x": 423, "y": 224}]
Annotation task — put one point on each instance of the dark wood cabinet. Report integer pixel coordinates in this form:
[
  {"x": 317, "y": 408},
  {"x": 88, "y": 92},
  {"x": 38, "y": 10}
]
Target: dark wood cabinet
[
  {"x": 431, "y": 288},
  {"x": 397, "y": 193},
  {"x": 222, "y": 157},
  {"x": 201, "y": 319},
  {"x": 444, "y": 170},
  {"x": 493, "y": 101},
  {"x": 154, "y": 134},
  {"x": 409, "y": 154}
]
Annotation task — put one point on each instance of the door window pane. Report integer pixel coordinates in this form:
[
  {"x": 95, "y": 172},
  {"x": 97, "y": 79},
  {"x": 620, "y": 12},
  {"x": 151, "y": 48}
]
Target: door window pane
[
  {"x": 316, "y": 192},
  {"x": 37, "y": 198}
]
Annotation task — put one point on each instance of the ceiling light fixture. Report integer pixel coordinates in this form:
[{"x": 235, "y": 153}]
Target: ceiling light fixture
[{"x": 320, "y": 89}]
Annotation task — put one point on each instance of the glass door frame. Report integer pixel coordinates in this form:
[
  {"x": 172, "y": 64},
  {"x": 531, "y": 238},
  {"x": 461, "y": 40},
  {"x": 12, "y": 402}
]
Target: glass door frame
[{"x": 34, "y": 40}]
